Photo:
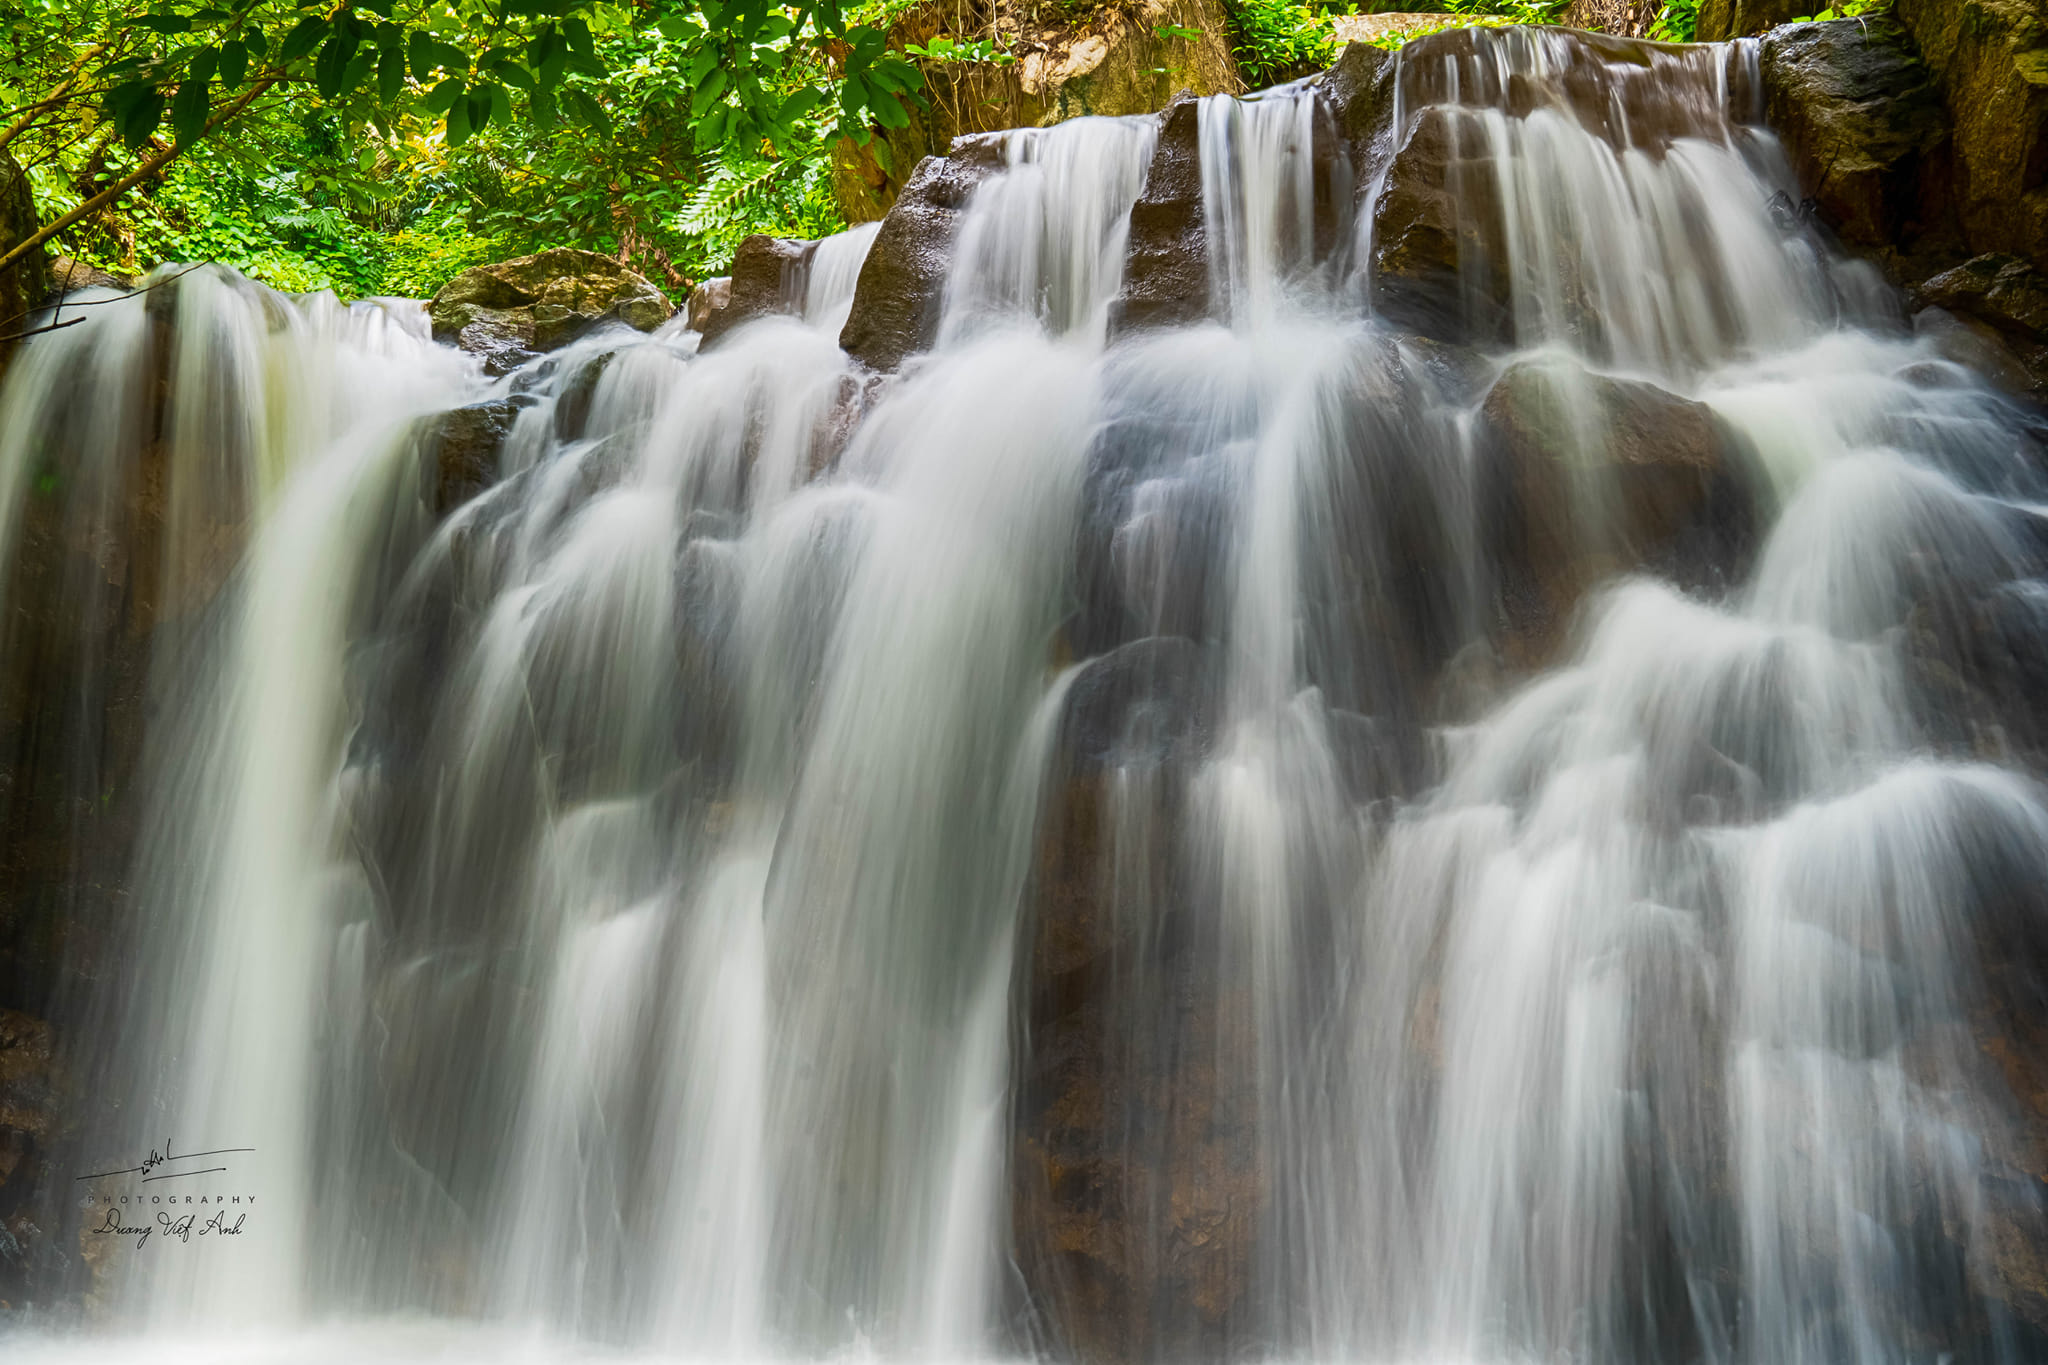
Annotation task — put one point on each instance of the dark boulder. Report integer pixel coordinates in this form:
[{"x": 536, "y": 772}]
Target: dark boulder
[
  {"x": 1863, "y": 124},
  {"x": 1166, "y": 267},
  {"x": 512, "y": 310},
  {"x": 1585, "y": 475},
  {"x": 902, "y": 284},
  {"x": 769, "y": 275}
]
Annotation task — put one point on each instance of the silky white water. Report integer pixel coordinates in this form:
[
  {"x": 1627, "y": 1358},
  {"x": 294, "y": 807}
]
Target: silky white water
[{"x": 656, "y": 910}]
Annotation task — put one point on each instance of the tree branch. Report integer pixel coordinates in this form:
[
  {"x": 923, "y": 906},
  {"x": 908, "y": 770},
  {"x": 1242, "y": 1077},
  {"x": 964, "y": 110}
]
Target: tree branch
[{"x": 130, "y": 180}]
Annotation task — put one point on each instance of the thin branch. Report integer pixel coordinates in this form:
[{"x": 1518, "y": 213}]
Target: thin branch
[
  {"x": 38, "y": 331},
  {"x": 64, "y": 303},
  {"x": 129, "y": 181}
]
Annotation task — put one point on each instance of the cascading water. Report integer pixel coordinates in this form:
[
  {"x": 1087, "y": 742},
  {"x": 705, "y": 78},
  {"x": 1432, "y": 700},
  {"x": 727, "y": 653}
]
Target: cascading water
[{"x": 1257, "y": 837}]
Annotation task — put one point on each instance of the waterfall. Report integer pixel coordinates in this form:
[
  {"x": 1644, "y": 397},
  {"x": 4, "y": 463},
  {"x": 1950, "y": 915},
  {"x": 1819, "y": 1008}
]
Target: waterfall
[{"x": 1305, "y": 833}]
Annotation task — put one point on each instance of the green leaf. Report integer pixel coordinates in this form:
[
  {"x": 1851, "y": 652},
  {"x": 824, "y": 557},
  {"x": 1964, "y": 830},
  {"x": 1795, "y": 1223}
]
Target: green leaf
[
  {"x": 390, "y": 73},
  {"x": 359, "y": 70},
  {"x": 708, "y": 93},
  {"x": 458, "y": 123},
  {"x": 588, "y": 111},
  {"x": 443, "y": 97},
  {"x": 302, "y": 39},
  {"x": 189, "y": 107},
  {"x": 890, "y": 113},
  {"x": 165, "y": 23},
  {"x": 513, "y": 74},
  {"x": 137, "y": 118},
  {"x": 234, "y": 63},
  {"x": 331, "y": 66}
]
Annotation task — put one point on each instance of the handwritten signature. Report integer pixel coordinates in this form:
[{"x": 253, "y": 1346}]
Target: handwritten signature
[
  {"x": 165, "y": 1157},
  {"x": 184, "y": 1229}
]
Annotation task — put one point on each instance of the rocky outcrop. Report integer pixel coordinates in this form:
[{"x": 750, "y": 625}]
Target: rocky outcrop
[
  {"x": 768, "y": 277},
  {"x": 511, "y": 311},
  {"x": 1934, "y": 163},
  {"x": 1585, "y": 476},
  {"x": 1111, "y": 60},
  {"x": 902, "y": 283},
  {"x": 1862, "y": 121},
  {"x": 1166, "y": 265},
  {"x": 23, "y": 284},
  {"x": 1990, "y": 58}
]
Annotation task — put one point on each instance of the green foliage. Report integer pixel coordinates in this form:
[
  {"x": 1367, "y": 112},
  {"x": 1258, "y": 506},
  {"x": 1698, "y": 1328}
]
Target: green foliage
[
  {"x": 960, "y": 51},
  {"x": 386, "y": 145},
  {"x": 1279, "y": 40},
  {"x": 741, "y": 196},
  {"x": 1677, "y": 22},
  {"x": 1848, "y": 9}
]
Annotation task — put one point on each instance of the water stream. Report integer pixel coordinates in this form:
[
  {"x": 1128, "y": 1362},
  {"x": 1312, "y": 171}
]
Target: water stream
[{"x": 609, "y": 910}]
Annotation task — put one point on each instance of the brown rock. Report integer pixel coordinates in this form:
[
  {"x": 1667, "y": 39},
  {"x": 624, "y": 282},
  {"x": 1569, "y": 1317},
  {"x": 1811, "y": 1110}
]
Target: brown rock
[
  {"x": 769, "y": 275},
  {"x": 706, "y": 299},
  {"x": 902, "y": 283},
  {"x": 1588, "y": 476},
  {"x": 1862, "y": 121}
]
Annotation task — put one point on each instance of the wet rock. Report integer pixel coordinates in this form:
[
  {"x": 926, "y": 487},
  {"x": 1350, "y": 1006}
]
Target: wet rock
[
  {"x": 1990, "y": 58},
  {"x": 28, "y": 1126},
  {"x": 706, "y": 299},
  {"x": 512, "y": 310},
  {"x": 1071, "y": 61},
  {"x": 1142, "y": 701},
  {"x": 2003, "y": 291},
  {"x": 1136, "y": 1184},
  {"x": 1587, "y": 475},
  {"x": 1166, "y": 268},
  {"x": 1863, "y": 124},
  {"x": 902, "y": 283},
  {"x": 1438, "y": 241},
  {"x": 769, "y": 275},
  {"x": 461, "y": 449}
]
